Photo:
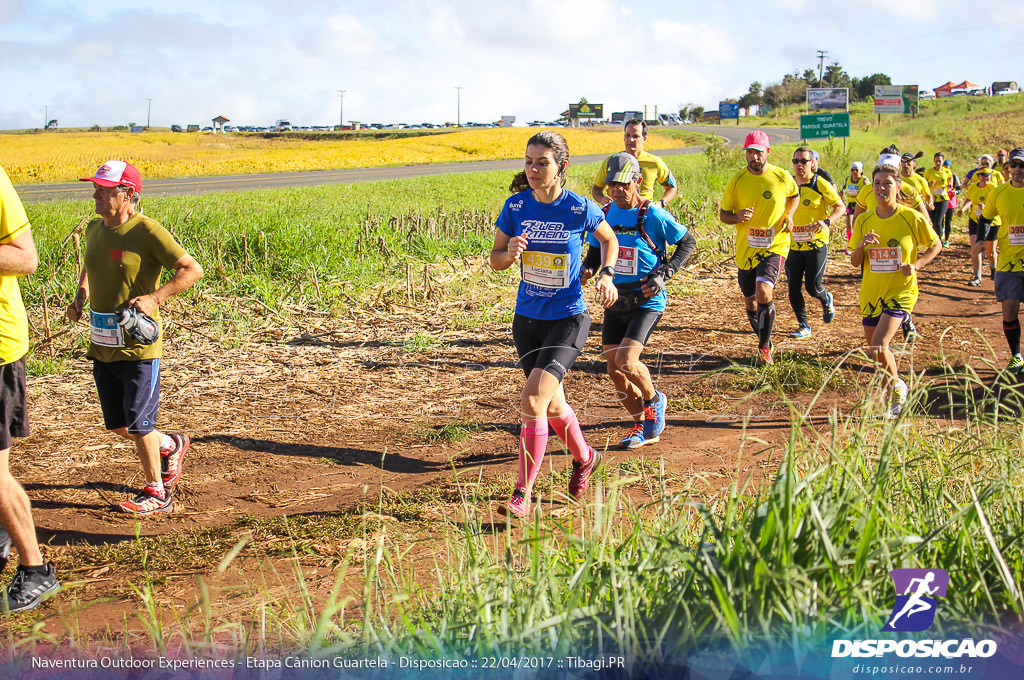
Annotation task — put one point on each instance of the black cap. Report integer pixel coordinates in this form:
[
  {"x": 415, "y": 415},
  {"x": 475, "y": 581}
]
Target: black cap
[{"x": 911, "y": 157}]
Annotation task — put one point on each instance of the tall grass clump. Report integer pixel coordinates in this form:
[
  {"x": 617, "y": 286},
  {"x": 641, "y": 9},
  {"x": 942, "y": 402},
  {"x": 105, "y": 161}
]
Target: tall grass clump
[{"x": 775, "y": 568}]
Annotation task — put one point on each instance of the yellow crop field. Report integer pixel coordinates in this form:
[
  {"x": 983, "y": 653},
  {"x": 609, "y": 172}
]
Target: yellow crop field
[{"x": 66, "y": 156}]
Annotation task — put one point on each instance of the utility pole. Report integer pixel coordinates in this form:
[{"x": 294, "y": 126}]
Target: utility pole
[
  {"x": 821, "y": 63},
  {"x": 341, "y": 109},
  {"x": 149, "y": 109},
  {"x": 458, "y": 106},
  {"x": 46, "y": 117}
]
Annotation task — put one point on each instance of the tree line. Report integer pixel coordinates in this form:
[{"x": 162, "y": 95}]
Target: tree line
[{"x": 792, "y": 89}]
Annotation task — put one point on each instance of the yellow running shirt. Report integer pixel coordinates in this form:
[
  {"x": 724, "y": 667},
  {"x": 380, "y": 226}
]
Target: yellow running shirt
[
  {"x": 978, "y": 196},
  {"x": 653, "y": 170},
  {"x": 939, "y": 182},
  {"x": 814, "y": 205},
  {"x": 1007, "y": 202},
  {"x": 13, "y": 320},
  {"x": 907, "y": 196},
  {"x": 919, "y": 183},
  {"x": 766, "y": 194},
  {"x": 853, "y": 189},
  {"x": 883, "y": 285}
]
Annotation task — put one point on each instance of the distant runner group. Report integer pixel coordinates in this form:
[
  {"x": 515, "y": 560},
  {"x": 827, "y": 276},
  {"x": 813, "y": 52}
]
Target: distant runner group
[{"x": 896, "y": 222}]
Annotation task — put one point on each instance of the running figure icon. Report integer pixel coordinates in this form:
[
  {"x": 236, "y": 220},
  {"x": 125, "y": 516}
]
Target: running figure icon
[
  {"x": 917, "y": 596},
  {"x": 915, "y": 604}
]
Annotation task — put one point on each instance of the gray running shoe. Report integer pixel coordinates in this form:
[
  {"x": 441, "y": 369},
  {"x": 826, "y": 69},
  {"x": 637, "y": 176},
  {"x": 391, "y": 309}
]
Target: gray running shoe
[{"x": 29, "y": 589}]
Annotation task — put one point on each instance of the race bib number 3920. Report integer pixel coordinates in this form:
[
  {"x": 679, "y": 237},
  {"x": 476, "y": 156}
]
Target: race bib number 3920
[
  {"x": 1015, "y": 234},
  {"x": 760, "y": 238}
]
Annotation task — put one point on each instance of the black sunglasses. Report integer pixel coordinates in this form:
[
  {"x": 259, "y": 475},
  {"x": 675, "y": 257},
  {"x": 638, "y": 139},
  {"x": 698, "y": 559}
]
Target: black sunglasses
[
  {"x": 1017, "y": 164},
  {"x": 802, "y": 161}
]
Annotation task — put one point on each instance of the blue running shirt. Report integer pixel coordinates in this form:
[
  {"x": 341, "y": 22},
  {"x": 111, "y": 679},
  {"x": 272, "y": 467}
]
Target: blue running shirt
[
  {"x": 636, "y": 259},
  {"x": 550, "y": 265}
]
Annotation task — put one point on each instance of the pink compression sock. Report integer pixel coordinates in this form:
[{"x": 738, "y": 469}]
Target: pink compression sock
[
  {"x": 567, "y": 427},
  {"x": 533, "y": 441}
]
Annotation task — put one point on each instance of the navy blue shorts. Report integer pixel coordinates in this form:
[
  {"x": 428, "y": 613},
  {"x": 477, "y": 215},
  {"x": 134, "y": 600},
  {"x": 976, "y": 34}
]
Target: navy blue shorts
[
  {"x": 129, "y": 393},
  {"x": 13, "y": 408}
]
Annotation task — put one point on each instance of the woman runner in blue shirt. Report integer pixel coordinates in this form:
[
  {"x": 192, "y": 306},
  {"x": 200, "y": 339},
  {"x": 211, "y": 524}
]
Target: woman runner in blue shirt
[{"x": 542, "y": 227}]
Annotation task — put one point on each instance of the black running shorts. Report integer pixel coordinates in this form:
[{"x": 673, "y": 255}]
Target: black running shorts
[
  {"x": 550, "y": 345},
  {"x": 13, "y": 408},
  {"x": 637, "y": 325}
]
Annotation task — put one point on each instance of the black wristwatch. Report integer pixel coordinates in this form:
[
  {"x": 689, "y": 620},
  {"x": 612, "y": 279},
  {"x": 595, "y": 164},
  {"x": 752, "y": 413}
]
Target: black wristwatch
[{"x": 609, "y": 270}]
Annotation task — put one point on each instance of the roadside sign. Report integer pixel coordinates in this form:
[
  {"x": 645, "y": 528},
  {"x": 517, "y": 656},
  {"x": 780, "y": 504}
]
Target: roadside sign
[
  {"x": 895, "y": 99},
  {"x": 586, "y": 110},
  {"x": 824, "y": 125},
  {"x": 728, "y": 110}
]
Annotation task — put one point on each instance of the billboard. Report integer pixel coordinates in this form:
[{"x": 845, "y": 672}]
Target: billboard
[
  {"x": 896, "y": 98},
  {"x": 586, "y": 110},
  {"x": 728, "y": 110},
  {"x": 828, "y": 99}
]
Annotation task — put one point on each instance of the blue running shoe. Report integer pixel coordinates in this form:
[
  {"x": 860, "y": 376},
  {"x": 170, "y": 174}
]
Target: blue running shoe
[
  {"x": 635, "y": 439},
  {"x": 654, "y": 417},
  {"x": 804, "y": 331},
  {"x": 828, "y": 310}
]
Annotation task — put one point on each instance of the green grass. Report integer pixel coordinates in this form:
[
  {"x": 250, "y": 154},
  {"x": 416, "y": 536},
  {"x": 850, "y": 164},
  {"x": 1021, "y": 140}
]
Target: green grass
[{"x": 453, "y": 432}]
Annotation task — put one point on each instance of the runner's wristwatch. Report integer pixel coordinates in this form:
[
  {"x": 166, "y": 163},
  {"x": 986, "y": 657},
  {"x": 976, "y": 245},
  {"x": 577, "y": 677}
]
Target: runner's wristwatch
[{"x": 607, "y": 269}]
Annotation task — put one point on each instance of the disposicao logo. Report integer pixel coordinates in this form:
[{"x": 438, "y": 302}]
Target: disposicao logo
[
  {"x": 916, "y": 603},
  {"x": 917, "y": 593}
]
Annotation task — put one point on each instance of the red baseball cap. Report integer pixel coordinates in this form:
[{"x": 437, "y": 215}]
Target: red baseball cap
[
  {"x": 116, "y": 173},
  {"x": 757, "y": 140}
]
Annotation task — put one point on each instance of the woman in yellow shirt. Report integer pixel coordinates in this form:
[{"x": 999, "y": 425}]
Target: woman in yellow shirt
[{"x": 885, "y": 245}]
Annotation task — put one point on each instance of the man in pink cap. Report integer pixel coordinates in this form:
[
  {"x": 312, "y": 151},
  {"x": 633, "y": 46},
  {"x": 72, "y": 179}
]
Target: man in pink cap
[
  {"x": 125, "y": 253},
  {"x": 760, "y": 201}
]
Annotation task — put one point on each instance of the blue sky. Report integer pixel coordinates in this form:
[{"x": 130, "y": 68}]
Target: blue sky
[{"x": 255, "y": 62}]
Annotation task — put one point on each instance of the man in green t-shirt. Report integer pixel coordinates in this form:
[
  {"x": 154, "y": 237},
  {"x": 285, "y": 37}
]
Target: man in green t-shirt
[
  {"x": 34, "y": 581},
  {"x": 125, "y": 253}
]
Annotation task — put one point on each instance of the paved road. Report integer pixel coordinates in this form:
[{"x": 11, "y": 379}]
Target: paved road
[{"x": 193, "y": 186}]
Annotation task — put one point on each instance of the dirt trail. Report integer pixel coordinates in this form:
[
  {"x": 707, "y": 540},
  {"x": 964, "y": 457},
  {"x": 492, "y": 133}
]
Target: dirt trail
[{"x": 318, "y": 420}]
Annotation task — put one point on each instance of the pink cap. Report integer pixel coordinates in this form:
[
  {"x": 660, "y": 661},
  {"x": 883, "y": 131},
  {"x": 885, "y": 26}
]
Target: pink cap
[
  {"x": 116, "y": 173},
  {"x": 757, "y": 140}
]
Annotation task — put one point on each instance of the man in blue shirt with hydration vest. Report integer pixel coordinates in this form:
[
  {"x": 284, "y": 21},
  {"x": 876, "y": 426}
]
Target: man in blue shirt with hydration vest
[{"x": 644, "y": 231}]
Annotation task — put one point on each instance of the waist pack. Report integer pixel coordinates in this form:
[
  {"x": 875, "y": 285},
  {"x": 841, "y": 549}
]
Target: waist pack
[{"x": 631, "y": 298}]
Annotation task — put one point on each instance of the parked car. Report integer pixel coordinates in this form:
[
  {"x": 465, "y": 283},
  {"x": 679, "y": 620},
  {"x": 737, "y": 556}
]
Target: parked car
[
  {"x": 926, "y": 94},
  {"x": 1007, "y": 91},
  {"x": 175, "y": 128}
]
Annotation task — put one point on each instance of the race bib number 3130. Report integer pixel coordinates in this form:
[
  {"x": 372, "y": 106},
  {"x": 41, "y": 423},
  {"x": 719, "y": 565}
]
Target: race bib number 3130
[{"x": 546, "y": 270}]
